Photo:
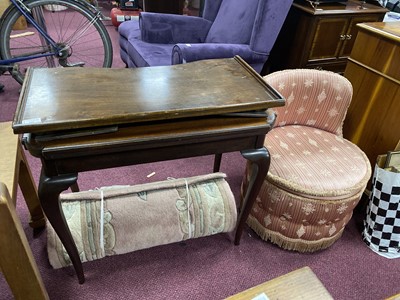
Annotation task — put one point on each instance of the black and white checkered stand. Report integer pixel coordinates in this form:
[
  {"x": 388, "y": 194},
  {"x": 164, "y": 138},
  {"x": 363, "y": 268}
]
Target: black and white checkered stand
[{"x": 382, "y": 221}]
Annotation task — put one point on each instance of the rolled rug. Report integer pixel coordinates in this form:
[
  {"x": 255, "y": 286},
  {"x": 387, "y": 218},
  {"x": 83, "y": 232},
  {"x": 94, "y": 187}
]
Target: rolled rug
[{"x": 120, "y": 219}]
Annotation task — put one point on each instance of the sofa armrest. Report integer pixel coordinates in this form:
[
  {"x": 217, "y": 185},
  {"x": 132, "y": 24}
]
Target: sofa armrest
[
  {"x": 171, "y": 29},
  {"x": 184, "y": 53}
]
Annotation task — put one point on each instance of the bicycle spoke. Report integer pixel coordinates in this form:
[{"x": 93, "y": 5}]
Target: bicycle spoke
[{"x": 81, "y": 39}]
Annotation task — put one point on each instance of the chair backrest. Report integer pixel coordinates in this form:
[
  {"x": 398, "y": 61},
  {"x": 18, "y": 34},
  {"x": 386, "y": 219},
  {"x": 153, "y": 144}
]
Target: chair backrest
[
  {"x": 253, "y": 22},
  {"x": 210, "y": 10},
  {"x": 314, "y": 98},
  {"x": 234, "y": 22}
]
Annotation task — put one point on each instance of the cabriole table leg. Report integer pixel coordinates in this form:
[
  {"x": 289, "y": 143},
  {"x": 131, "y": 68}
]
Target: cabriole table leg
[
  {"x": 49, "y": 191},
  {"x": 260, "y": 161}
]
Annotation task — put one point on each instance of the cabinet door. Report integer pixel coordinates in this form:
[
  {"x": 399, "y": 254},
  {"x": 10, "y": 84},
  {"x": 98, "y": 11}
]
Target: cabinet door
[
  {"x": 328, "y": 38},
  {"x": 352, "y": 30}
]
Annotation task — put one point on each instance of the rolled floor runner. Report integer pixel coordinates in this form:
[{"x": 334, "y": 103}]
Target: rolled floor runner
[{"x": 121, "y": 219}]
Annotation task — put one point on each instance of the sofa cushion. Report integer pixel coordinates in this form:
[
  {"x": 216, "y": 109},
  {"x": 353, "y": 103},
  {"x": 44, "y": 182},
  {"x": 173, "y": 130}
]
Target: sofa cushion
[
  {"x": 145, "y": 54},
  {"x": 172, "y": 29},
  {"x": 142, "y": 53},
  {"x": 129, "y": 29}
]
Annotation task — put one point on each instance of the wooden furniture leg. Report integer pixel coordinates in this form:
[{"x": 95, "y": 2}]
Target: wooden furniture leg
[
  {"x": 16, "y": 259},
  {"x": 260, "y": 161},
  {"x": 49, "y": 192},
  {"x": 29, "y": 191},
  {"x": 217, "y": 162}
]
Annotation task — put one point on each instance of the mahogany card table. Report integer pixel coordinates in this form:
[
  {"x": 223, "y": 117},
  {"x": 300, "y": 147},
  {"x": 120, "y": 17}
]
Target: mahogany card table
[{"x": 82, "y": 119}]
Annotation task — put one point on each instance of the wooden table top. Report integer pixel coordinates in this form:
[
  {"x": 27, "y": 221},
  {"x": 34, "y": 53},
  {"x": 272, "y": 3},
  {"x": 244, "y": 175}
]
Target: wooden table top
[{"x": 77, "y": 98}]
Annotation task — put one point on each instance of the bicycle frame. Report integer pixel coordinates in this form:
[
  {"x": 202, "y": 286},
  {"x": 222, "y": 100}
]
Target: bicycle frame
[{"x": 57, "y": 50}]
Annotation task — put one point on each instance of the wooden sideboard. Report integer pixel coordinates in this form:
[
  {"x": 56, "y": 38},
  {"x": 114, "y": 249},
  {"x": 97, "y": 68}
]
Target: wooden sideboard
[
  {"x": 373, "y": 118},
  {"x": 320, "y": 37}
]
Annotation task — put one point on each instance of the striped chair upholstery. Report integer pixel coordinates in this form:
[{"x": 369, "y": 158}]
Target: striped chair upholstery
[{"x": 316, "y": 177}]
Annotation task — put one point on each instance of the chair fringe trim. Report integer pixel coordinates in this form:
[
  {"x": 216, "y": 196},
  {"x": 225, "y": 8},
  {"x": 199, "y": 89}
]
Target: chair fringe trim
[{"x": 289, "y": 243}]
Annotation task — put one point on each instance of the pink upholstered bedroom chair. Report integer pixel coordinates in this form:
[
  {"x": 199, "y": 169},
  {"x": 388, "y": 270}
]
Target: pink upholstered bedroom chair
[{"x": 316, "y": 177}]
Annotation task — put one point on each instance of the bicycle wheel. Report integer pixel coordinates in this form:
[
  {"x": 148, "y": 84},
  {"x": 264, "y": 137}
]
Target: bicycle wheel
[{"x": 81, "y": 34}]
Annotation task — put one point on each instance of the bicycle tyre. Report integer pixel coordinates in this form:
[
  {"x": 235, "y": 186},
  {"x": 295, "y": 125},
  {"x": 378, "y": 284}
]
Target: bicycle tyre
[{"x": 63, "y": 20}]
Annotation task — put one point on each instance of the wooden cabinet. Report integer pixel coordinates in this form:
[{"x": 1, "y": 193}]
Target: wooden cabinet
[
  {"x": 320, "y": 37},
  {"x": 373, "y": 118}
]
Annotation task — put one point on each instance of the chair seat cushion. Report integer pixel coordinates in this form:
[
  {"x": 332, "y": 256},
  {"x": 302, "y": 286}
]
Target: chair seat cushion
[
  {"x": 315, "y": 180},
  {"x": 315, "y": 163}
]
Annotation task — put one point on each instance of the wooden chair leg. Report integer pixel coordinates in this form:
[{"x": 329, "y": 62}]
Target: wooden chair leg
[
  {"x": 16, "y": 258},
  {"x": 29, "y": 190}
]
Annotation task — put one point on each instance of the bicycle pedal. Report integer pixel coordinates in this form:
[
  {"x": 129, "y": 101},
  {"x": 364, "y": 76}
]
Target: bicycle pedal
[
  {"x": 78, "y": 64},
  {"x": 15, "y": 70}
]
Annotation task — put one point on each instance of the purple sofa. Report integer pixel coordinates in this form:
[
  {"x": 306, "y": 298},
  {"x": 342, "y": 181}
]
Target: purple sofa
[{"x": 227, "y": 28}]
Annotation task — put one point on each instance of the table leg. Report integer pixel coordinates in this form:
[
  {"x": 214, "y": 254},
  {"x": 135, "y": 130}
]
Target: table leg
[
  {"x": 75, "y": 187},
  {"x": 260, "y": 161},
  {"x": 217, "y": 162},
  {"x": 49, "y": 191}
]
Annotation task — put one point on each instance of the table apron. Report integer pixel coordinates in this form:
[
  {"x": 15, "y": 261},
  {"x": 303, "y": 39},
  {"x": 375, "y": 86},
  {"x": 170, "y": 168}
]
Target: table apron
[{"x": 95, "y": 160}]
